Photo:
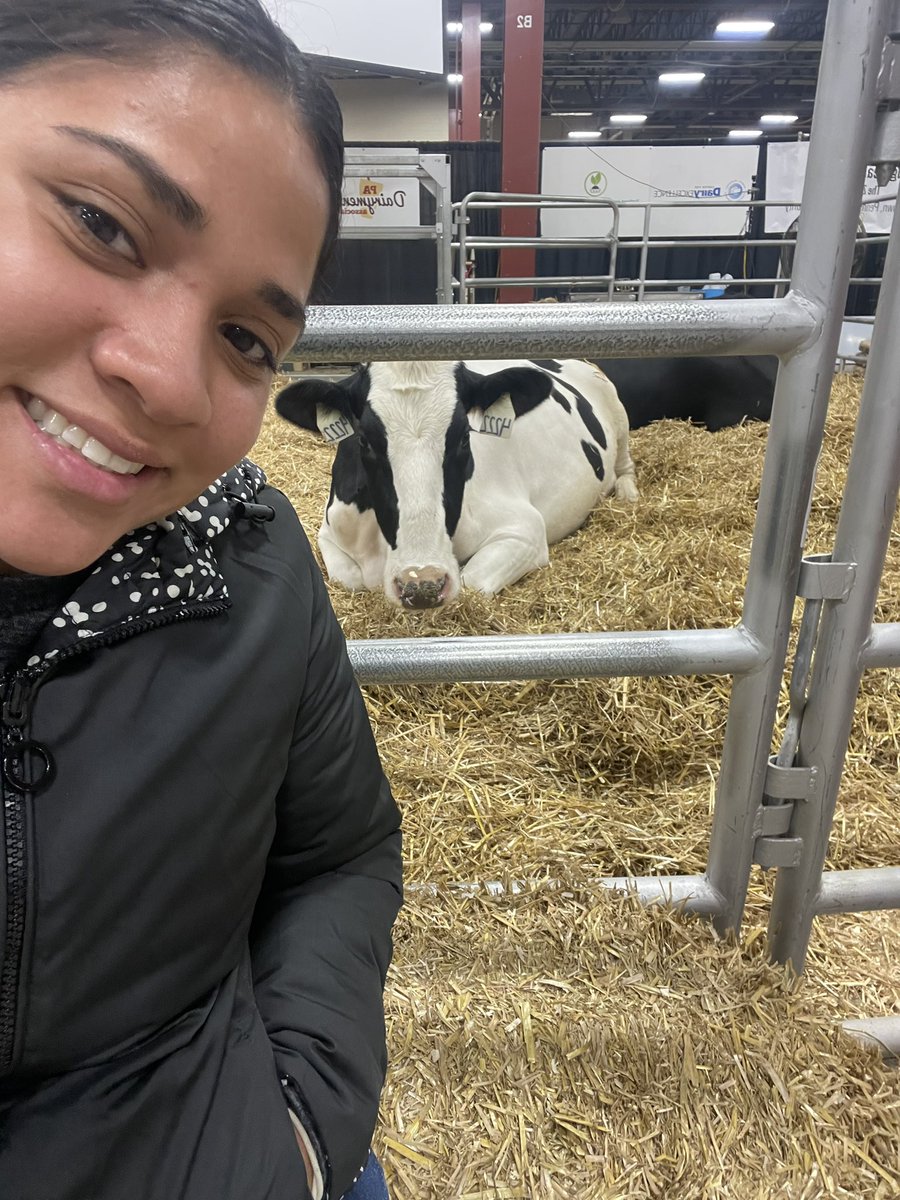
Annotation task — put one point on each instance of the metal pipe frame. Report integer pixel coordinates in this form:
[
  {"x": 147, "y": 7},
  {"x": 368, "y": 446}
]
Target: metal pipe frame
[
  {"x": 389, "y": 332},
  {"x": 864, "y": 890},
  {"x": 517, "y": 200},
  {"x": 555, "y": 656},
  {"x": 692, "y": 892},
  {"x": 862, "y": 536},
  {"x": 879, "y": 1033},
  {"x": 883, "y": 646},
  {"x": 539, "y": 281},
  {"x": 433, "y": 172},
  {"x": 491, "y": 200},
  {"x": 841, "y": 140},
  {"x": 620, "y": 284}
]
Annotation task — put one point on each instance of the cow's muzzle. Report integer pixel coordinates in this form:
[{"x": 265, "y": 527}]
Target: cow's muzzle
[{"x": 422, "y": 587}]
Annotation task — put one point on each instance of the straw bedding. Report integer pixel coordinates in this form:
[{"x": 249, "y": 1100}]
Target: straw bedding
[{"x": 563, "y": 1042}]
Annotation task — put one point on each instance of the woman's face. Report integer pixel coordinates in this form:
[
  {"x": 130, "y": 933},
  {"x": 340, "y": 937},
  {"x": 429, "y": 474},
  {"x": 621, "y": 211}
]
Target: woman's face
[{"x": 160, "y": 231}]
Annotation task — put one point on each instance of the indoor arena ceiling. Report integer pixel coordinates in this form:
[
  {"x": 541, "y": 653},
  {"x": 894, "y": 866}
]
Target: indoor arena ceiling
[{"x": 601, "y": 59}]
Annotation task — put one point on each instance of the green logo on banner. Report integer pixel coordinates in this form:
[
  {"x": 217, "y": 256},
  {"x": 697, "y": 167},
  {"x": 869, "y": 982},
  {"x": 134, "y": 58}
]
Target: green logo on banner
[{"x": 595, "y": 183}]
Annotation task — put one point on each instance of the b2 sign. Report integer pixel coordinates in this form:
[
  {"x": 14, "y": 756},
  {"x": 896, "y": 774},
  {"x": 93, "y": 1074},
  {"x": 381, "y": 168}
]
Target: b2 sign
[{"x": 722, "y": 174}]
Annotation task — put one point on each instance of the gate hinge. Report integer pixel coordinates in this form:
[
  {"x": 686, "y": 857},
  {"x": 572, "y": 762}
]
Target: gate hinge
[
  {"x": 822, "y": 579},
  {"x": 785, "y": 786}
]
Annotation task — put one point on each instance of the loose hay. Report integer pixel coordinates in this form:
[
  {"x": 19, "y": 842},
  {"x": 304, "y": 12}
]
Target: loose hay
[{"x": 564, "y": 1043}]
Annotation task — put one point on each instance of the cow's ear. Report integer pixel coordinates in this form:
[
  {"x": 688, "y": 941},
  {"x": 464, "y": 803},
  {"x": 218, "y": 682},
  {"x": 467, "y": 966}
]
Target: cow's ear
[
  {"x": 329, "y": 409},
  {"x": 525, "y": 386}
]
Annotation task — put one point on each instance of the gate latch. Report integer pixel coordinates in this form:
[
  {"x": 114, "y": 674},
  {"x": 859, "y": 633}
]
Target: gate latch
[
  {"x": 822, "y": 579},
  {"x": 785, "y": 787}
]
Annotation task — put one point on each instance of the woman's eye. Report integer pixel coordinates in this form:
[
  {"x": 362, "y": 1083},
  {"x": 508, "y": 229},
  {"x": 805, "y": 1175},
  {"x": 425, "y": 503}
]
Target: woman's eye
[
  {"x": 101, "y": 227},
  {"x": 250, "y": 346}
]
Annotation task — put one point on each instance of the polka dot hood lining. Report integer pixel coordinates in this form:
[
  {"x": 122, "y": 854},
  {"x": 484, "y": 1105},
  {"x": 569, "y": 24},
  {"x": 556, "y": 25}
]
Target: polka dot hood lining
[{"x": 154, "y": 572}]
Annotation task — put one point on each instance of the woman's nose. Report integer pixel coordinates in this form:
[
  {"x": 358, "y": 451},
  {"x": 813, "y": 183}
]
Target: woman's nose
[{"x": 162, "y": 360}]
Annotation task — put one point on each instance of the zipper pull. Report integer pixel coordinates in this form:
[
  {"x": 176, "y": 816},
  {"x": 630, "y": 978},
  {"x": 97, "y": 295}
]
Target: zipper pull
[
  {"x": 18, "y": 701},
  {"x": 27, "y": 765}
]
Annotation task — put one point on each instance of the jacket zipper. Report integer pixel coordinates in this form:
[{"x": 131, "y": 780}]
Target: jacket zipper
[{"x": 18, "y": 699}]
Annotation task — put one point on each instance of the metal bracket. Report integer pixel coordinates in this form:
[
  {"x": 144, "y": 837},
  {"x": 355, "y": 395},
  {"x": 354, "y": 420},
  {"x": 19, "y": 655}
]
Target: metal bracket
[
  {"x": 774, "y": 847},
  {"x": 822, "y": 579},
  {"x": 790, "y": 783}
]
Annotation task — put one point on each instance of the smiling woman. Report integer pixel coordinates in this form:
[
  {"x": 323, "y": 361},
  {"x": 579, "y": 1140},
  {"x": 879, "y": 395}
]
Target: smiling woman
[{"x": 195, "y": 912}]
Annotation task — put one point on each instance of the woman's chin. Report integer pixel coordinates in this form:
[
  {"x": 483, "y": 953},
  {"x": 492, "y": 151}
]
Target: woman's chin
[{"x": 44, "y": 560}]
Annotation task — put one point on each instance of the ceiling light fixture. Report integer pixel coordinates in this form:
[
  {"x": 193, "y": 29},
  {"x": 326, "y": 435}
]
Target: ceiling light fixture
[
  {"x": 778, "y": 118},
  {"x": 744, "y": 28},
  {"x": 627, "y": 118},
  {"x": 453, "y": 77},
  {"x": 454, "y": 26},
  {"x": 571, "y": 114},
  {"x": 486, "y": 27},
  {"x": 584, "y": 133},
  {"x": 676, "y": 78},
  {"x": 744, "y": 133}
]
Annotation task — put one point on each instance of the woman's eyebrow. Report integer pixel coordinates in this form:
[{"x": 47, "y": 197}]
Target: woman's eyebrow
[
  {"x": 159, "y": 184},
  {"x": 283, "y": 302}
]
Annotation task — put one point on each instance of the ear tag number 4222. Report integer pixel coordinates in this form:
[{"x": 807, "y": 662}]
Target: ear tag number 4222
[{"x": 333, "y": 425}]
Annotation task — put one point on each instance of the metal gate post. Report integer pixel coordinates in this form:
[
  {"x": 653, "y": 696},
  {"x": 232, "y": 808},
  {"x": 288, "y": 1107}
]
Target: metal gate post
[
  {"x": 863, "y": 532},
  {"x": 841, "y": 141}
]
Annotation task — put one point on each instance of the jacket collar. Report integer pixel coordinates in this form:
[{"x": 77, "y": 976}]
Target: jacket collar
[{"x": 154, "y": 574}]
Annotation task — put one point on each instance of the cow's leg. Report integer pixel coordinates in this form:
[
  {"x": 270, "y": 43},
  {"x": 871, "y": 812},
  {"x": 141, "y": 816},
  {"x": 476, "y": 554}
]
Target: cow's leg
[
  {"x": 340, "y": 566},
  {"x": 626, "y": 484},
  {"x": 508, "y": 554}
]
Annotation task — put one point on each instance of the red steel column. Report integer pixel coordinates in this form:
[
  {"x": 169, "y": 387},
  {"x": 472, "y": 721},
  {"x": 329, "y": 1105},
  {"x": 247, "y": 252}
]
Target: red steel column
[
  {"x": 470, "y": 89},
  {"x": 523, "y": 76}
]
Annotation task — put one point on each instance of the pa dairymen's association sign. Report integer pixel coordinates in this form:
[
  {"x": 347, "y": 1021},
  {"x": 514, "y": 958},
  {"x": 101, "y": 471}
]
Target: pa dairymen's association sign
[
  {"x": 723, "y": 174},
  {"x": 373, "y": 203},
  {"x": 785, "y": 171}
]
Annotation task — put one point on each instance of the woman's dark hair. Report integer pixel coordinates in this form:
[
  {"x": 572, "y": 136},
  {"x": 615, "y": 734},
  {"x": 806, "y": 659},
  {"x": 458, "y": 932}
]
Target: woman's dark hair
[{"x": 239, "y": 31}]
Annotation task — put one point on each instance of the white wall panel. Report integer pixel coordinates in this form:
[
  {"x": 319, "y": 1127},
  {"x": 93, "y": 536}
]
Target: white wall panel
[{"x": 407, "y": 34}]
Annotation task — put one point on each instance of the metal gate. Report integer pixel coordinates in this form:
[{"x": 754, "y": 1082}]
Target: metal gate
[{"x": 775, "y": 811}]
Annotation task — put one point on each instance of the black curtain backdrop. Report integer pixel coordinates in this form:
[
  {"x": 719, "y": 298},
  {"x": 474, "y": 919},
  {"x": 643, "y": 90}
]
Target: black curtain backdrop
[{"x": 392, "y": 271}]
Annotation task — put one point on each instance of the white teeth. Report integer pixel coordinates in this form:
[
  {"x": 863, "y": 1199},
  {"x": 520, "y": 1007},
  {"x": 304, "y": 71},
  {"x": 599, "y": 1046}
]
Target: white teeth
[
  {"x": 96, "y": 453},
  {"x": 74, "y": 435},
  {"x": 53, "y": 423},
  {"x": 56, "y": 425}
]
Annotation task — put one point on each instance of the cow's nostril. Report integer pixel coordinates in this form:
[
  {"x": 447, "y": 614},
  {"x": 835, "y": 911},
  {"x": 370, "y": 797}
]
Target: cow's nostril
[{"x": 421, "y": 593}]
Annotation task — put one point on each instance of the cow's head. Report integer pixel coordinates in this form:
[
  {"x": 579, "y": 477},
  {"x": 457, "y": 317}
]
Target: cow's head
[{"x": 404, "y": 436}]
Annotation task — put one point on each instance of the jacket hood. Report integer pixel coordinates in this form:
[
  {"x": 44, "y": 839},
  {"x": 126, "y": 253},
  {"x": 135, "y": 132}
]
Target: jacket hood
[{"x": 154, "y": 573}]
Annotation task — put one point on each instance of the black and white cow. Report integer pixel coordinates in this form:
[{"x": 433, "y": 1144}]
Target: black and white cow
[
  {"x": 452, "y": 473},
  {"x": 715, "y": 392}
]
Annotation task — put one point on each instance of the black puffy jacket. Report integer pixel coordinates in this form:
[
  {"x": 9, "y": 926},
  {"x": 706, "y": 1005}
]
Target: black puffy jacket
[{"x": 200, "y": 871}]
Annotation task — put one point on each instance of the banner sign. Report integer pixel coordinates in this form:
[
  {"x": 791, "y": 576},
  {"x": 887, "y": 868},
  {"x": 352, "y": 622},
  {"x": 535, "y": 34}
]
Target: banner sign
[
  {"x": 785, "y": 170},
  {"x": 723, "y": 174},
  {"x": 371, "y": 202}
]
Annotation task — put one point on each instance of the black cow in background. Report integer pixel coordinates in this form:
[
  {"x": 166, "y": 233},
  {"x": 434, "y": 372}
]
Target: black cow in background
[{"x": 715, "y": 392}]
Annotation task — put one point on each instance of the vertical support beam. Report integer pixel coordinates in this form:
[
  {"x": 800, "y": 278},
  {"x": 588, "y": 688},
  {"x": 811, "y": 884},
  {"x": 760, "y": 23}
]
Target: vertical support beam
[
  {"x": 523, "y": 75},
  {"x": 863, "y": 532},
  {"x": 470, "y": 90},
  {"x": 840, "y": 145}
]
